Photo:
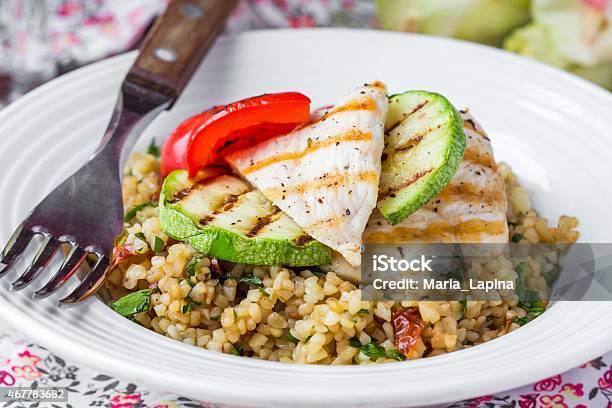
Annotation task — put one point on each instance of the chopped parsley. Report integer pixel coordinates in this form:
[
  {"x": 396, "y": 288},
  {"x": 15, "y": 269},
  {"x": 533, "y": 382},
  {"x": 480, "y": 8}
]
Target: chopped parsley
[
  {"x": 264, "y": 292},
  {"x": 364, "y": 311},
  {"x": 527, "y": 297},
  {"x": 132, "y": 213},
  {"x": 373, "y": 350},
  {"x": 250, "y": 280},
  {"x": 141, "y": 236},
  {"x": 521, "y": 269},
  {"x": 521, "y": 321},
  {"x": 517, "y": 238},
  {"x": 455, "y": 274},
  {"x": 153, "y": 150},
  {"x": 552, "y": 275},
  {"x": 317, "y": 272},
  {"x": 190, "y": 305},
  {"x": 354, "y": 342},
  {"x": 190, "y": 269},
  {"x": 532, "y": 313},
  {"x": 290, "y": 337},
  {"x": 135, "y": 302},
  {"x": 396, "y": 355},
  {"x": 237, "y": 349},
  {"x": 376, "y": 351},
  {"x": 464, "y": 308},
  {"x": 159, "y": 245}
]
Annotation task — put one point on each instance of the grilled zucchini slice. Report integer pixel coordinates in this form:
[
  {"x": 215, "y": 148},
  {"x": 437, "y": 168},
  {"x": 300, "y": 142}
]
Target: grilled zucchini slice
[
  {"x": 222, "y": 216},
  {"x": 424, "y": 145}
]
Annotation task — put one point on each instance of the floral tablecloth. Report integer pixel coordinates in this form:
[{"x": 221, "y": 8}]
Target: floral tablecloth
[
  {"x": 90, "y": 29},
  {"x": 23, "y": 363}
]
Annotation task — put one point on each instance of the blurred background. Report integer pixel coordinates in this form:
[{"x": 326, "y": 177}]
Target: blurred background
[{"x": 40, "y": 39}]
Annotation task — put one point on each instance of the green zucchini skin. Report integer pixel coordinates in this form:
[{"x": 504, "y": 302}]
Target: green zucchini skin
[
  {"x": 424, "y": 146},
  {"x": 220, "y": 238}
]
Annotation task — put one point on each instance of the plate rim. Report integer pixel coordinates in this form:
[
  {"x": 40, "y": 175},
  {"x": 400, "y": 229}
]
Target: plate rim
[{"x": 19, "y": 321}]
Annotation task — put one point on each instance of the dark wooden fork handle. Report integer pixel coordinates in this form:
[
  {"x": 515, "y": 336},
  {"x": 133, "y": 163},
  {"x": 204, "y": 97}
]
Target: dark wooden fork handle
[{"x": 176, "y": 44}]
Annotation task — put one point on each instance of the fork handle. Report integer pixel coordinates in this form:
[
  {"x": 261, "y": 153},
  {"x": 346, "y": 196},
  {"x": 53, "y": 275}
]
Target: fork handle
[{"x": 176, "y": 44}]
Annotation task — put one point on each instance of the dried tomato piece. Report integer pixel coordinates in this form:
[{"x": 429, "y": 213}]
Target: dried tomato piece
[
  {"x": 408, "y": 327},
  {"x": 122, "y": 253}
]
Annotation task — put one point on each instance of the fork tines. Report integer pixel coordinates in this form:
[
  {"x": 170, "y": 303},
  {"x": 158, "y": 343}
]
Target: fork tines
[{"x": 18, "y": 243}]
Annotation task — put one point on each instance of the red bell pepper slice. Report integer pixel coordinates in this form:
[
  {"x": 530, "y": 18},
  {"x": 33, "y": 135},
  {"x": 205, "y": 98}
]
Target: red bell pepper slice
[{"x": 205, "y": 138}]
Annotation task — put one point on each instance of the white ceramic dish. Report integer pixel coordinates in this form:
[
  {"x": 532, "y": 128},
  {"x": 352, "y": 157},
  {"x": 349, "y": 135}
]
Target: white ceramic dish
[{"x": 552, "y": 127}]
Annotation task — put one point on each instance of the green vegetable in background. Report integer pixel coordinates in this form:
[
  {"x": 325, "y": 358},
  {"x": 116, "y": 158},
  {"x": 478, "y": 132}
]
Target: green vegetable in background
[
  {"x": 575, "y": 35},
  {"x": 570, "y": 34},
  {"x": 484, "y": 21}
]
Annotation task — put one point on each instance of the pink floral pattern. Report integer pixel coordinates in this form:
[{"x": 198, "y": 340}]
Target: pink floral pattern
[
  {"x": 548, "y": 384},
  {"x": 553, "y": 401},
  {"x": 30, "y": 365},
  {"x": 605, "y": 382},
  {"x": 83, "y": 31},
  {"x": 567, "y": 390},
  {"x": 86, "y": 30}
]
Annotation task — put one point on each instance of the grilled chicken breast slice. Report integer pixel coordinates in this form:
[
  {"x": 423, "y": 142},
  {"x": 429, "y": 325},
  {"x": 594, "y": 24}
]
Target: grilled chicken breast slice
[
  {"x": 325, "y": 175},
  {"x": 471, "y": 209}
]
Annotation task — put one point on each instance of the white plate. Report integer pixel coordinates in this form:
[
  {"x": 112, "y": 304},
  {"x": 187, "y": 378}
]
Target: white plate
[{"x": 552, "y": 127}]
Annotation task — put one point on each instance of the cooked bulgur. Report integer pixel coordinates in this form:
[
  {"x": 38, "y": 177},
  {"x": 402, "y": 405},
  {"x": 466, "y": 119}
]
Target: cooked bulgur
[{"x": 302, "y": 316}]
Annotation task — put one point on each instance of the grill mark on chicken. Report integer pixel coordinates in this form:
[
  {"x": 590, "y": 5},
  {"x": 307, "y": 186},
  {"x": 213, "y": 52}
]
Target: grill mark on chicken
[
  {"x": 470, "y": 194},
  {"x": 406, "y": 115},
  {"x": 480, "y": 158},
  {"x": 328, "y": 222},
  {"x": 476, "y": 192},
  {"x": 464, "y": 231},
  {"x": 350, "y": 136},
  {"x": 262, "y": 222},
  {"x": 377, "y": 85},
  {"x": 391, "y": 191},
  {"x": 309, "y": 188},
  {"x": 470, "y": 124},
  {"x": 326, "y": 181},
  {"x": 365, "y": 104}
]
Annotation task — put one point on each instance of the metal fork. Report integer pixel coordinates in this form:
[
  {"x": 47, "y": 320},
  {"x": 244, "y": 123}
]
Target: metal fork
[{"x": 85, "y": 212}]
